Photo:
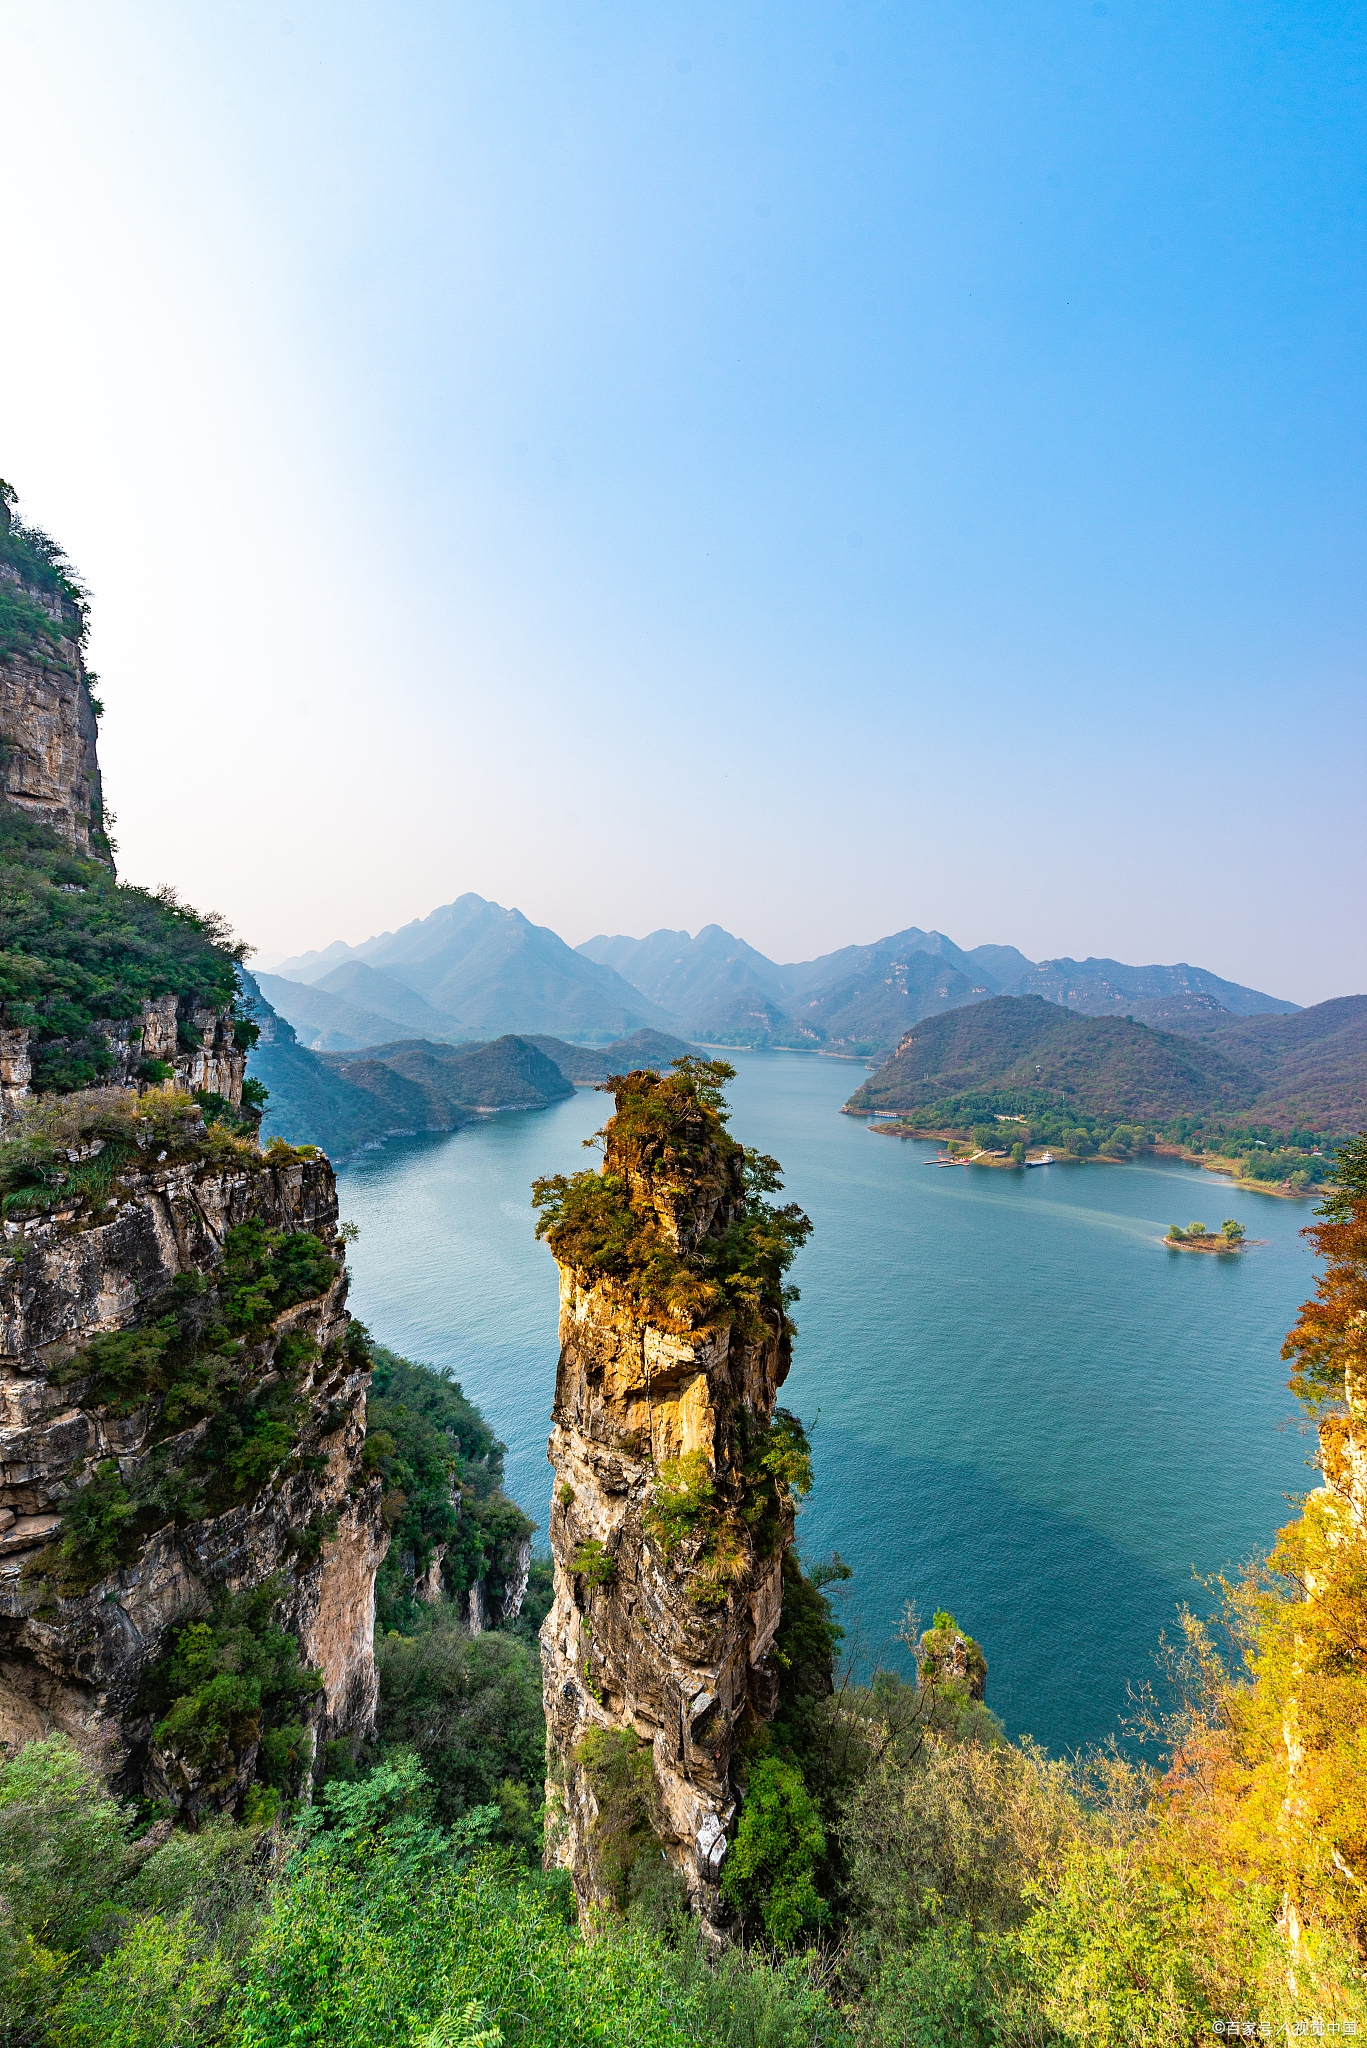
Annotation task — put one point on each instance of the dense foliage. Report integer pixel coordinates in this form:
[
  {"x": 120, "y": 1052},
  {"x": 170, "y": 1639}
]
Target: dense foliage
[
  {"x": 442, "y": 1468},
  {"x": 370, "y": 1923},
  {"x": 666, "y": 1125},
  {"x": 228, "y": 1681},
  {"x": 81, "y": 950}
]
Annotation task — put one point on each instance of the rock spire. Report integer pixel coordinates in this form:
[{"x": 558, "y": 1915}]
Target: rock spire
[{"x": 674, "y": 1482}]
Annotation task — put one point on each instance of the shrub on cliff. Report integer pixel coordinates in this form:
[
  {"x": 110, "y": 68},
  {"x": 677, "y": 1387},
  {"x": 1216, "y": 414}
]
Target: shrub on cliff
[
  {"x": 778, "y": 1845},
  {"x": 195, "y": 1357},
  {"x": 228, "y": 1682},
  {"x": 669, "y": 1132},
  {"x": 470, "y": 1708},
  {"x": 81, "y": 948}
]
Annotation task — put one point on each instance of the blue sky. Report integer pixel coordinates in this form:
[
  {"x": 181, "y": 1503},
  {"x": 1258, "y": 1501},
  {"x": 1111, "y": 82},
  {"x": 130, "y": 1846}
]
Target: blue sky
[{"x": 819, "y": 468}]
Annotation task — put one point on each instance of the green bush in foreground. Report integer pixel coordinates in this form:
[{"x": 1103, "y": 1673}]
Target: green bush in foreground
[{"x": 368, "y": 1925}]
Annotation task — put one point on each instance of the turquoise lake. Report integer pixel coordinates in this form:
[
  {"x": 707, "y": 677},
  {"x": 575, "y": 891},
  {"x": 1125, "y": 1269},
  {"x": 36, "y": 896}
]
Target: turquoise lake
[{"x": 1024, "y": 1408}]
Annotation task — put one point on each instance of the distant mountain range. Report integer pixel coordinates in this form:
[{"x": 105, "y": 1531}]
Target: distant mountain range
[
  {"x": 1305, "y": 1071},
  {"x": 863, "y": 999},
  {"x": 477, "y": 971},
  {"x": 473, "y": 971}
]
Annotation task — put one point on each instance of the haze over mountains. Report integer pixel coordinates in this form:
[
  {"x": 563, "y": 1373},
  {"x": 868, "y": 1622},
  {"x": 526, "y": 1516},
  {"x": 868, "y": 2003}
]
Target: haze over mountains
[
  {"x": 477, "y": 970},
  {"x": 473, "y": 970}
]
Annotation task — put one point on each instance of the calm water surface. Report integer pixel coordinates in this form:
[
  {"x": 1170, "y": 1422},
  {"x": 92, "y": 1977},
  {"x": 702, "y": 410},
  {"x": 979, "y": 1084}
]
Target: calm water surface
[{"x": 1025, "y": 1408}]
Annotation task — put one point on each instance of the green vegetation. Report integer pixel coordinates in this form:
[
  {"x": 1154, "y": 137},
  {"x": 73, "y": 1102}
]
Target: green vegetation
[
  {"x": 26, "y": 628},
  {"x": 37, "y": 559},
  {"x": 227, "y": 1682},
  {"x": 197, "y": 1354},
  {"x": 1105, "y": 1085},
  {"x": 1304, "y": 1159},
  {"x": 623, "y": 1848},
  {"x": 442, "y": 1469},
  {"x": 369, "y": 1923},
  {"x": 677, "y": 1123},
  {"x": 902, "y": 1872},
  {"x": 469, "y": 1707},
  {"x": 1229, "y": 1236},
  {"x": 938, "y": 1648},
  {"x": 82, "y": 950},
  {"x": 41, "y": 565},
  {"x": 778, "y": 1845}
]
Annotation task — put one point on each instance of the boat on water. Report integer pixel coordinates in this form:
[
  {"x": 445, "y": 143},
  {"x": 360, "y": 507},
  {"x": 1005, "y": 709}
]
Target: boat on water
[{"x": 1047, "y": 1160}]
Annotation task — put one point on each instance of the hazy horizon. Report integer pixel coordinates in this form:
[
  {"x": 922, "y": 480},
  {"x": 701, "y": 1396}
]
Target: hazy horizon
[
  {"x": 813, "y": 469},
  {"x": 269, "y": 961}
]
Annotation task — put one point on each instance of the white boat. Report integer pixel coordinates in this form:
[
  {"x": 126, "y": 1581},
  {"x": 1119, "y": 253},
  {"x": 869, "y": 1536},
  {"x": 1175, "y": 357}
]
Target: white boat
[{"x": 1047, "y": 1160}]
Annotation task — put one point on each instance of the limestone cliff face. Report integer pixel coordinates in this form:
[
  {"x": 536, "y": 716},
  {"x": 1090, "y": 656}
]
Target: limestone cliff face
[
  {"x": 74, "y": 1660},
  {"x": 654, "y": 1631},
  {"x": 48, "y": 764},
  {"x": 211, "y": 1061}
]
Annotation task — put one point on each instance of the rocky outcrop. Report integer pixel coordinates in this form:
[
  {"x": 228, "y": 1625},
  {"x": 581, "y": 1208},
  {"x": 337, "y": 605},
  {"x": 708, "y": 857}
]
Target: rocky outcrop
[
  {"x": 667, "y": 1584},
  {"x": 75, "y": 1659},
  {"x": 946, "y": 1656},
  {"x": 197, "y": 1043},
  {"x": 16, "y": 1071},
  {"x": 48, "y": 764}
]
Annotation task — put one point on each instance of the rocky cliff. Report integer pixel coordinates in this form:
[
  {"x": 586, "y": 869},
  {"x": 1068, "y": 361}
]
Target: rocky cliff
[
  {"x": 48, "y": 764},
  {"x": 673, "y": 1483},
  {"x": 189, "y": 1538},
  {"x": 181, "y": 1419}
]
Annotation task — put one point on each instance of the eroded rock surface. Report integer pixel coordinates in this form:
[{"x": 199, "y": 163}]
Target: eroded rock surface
[
  {"x": 671, "y": 1642},
  {"x": 75, "y": 1662},
  {"x": 48, "y": 764}
]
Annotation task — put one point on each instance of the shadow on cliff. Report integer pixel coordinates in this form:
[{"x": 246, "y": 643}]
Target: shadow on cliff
[{"x": 1066, "y": 1617}]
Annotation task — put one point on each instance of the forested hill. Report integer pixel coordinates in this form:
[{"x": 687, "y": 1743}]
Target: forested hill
[
  {"x": 1109, "y": 1067},
  {"x": 344, "y": 1102},
  {"x": 1311, "y": 1067}
]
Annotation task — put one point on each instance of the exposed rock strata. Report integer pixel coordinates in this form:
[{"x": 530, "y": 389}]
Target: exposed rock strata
[
  {"x": 212, "y": 1061},
  {"x": 48, "y": 764},
  {"x": 626, "y": 1645},
  {"x": 76, "y": 1663}
]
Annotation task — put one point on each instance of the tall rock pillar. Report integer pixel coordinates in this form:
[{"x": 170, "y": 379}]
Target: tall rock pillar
[{"x": 673, "y": 1486}]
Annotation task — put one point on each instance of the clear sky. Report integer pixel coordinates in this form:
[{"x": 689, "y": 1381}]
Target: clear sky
[{"x": 817, "y": 467}]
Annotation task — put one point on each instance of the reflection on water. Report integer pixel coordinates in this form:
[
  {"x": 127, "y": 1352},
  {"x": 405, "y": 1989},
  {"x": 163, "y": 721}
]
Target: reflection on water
[{"x": 1026, "y": 1409}]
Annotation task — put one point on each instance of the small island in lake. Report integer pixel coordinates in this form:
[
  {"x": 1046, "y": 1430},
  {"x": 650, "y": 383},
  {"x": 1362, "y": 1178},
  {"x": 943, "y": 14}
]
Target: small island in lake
[{"x": 1196, "y": 1238}]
